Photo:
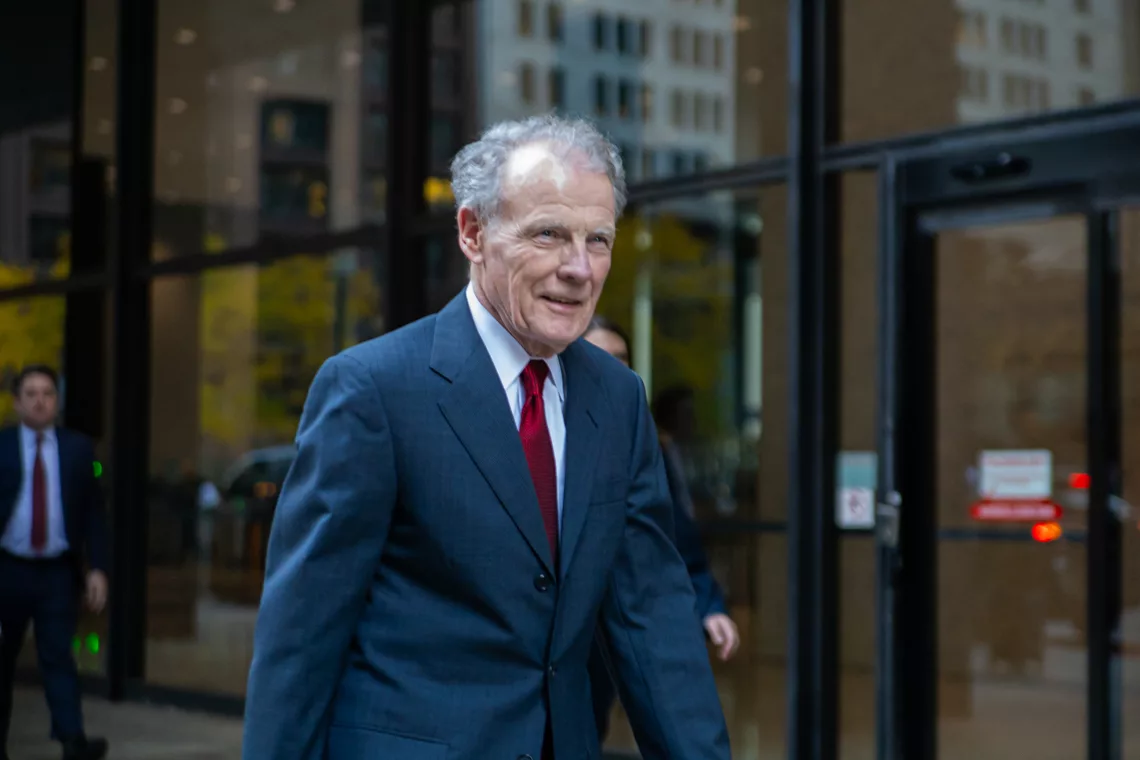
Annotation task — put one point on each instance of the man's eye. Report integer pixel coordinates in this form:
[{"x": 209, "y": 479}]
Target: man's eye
[{"x": 547, "y": 233}]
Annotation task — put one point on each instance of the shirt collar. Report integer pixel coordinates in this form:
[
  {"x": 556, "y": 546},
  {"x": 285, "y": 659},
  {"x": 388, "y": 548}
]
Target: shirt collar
[
  {"x": 508, "y": 356},
  {"x": 29, "y": 435}
]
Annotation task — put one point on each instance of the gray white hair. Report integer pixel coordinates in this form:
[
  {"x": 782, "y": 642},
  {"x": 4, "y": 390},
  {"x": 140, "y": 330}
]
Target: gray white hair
[{"x": 477, "y": 170}]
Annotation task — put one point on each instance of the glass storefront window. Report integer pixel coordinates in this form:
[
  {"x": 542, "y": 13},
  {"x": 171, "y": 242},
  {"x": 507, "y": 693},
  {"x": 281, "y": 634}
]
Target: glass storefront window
[
  {"x": 699, "y": 283},
  {"x": 233, "y": 353},
  {"x": 721, "y": 66},
  {"x": 921, "y": 66}
]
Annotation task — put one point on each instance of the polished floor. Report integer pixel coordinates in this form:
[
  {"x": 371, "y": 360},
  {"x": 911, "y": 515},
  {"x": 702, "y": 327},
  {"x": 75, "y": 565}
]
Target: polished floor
[{"x": 136, "y": 731}]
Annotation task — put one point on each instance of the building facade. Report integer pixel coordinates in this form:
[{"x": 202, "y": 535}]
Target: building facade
[{"x": 891, "y": 248}]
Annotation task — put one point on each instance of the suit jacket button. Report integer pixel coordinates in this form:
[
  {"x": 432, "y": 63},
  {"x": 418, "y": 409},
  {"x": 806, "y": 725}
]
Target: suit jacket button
[
  {"x": 551, "y": 671},
  {"x": 543, "y": 582}
]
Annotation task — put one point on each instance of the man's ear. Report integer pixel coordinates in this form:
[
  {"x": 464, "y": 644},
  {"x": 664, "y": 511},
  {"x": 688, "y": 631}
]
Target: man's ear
[{"x": 470, "y": 235}]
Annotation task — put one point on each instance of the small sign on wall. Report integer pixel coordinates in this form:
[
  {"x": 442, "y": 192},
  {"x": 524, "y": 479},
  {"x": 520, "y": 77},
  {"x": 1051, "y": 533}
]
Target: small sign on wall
[
  {"x": 856, "y": 478},
  {"x": 1016, "y": 474},
  {"x": 1015, "y": 485}
]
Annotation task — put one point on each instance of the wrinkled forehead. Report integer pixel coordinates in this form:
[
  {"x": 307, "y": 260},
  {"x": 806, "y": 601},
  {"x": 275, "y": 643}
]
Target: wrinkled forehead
[{"x": 539, "y": 174}]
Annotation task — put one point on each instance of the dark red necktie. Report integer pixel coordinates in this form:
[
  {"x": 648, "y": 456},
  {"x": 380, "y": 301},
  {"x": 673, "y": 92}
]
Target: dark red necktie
[
  {"x": 539, "y": 450},
  {"x": 540, "y": 458},
  {"x": 39, "y": 499}
]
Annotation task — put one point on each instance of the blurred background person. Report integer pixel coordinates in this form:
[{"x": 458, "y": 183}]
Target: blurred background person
[
  {"x": 676, "y": 422},
  {"x": 51, "y": 527}
]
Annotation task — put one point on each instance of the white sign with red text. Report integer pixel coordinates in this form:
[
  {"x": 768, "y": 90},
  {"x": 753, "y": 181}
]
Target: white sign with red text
[{"x": 1016, "y": 475}]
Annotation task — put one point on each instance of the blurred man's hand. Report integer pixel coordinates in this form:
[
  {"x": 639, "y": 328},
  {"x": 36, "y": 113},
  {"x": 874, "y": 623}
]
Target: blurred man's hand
[
  {"x": 724, "y": 635},
  {"x": 96, "y": 591}
]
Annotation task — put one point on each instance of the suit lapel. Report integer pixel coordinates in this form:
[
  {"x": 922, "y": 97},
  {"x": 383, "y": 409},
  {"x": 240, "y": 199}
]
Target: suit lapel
[
  {"x": 10, "y": 488},
  {"x": 477, "y": 410},
  {"x": 583, "y": 441}
]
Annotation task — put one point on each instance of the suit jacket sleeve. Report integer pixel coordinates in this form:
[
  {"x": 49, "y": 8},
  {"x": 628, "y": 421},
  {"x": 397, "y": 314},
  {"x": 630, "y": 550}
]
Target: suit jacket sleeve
[
  {"x": 655, "y": 641},
  {"x": 328, "y": 533},
  {"x": 94, "y": 515},
  {"x": 710, "y": 599}
]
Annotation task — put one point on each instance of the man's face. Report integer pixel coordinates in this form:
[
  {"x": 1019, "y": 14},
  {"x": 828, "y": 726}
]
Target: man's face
[
  {"x": 611, "y": 343},
  {"x": 37, "y": 401},
  {"x": 540, "y": 266}
]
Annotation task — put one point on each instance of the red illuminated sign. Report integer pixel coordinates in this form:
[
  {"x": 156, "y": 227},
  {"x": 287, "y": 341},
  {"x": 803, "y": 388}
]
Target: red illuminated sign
[{"x": 1015, "y": 511}]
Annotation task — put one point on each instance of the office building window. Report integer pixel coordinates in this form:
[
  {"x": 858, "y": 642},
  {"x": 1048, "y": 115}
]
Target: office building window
[
  {"x": 1084, "y": 51},
  {"x": 648, "y": 163},
  {"x": 972, "y": 29},
  {"x": 699, "y": 52},
  {"x": 973, "y": 84},
  {"x": 526, "y": 82},
  {"x": 700, "y": 111},
  {"x": 1008, "y": 35},
  {"x": 646, "y": 103},
  {"x": 680, "y": 162},
  {"x": 718, "y": 114},
  {"x": 718, "y": 52},
  {"x": 645, "y": 39},
  {"x": 601, "y": 96},
  {"x": 677, "y": 44},
  {"x": 624, "y": 29},
  {"x": 1086, "y": 96},
  {"x": 600, "y": 31},
  {"x": 557, "y": 88},
  {"x": 526, "y": 18},
  {"x": 700, "y": 162},
  {"x": 678, "y": 109},
  {"x": 555, "y": 22},
  {"x": 625, "y": 99},
  {"x": 1083, "y": 6}
]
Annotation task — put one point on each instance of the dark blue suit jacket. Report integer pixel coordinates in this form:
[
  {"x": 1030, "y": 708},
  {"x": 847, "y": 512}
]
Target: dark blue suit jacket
[
  {"x": 411, "y": 607},
  {"x": 79, "y": 488}
]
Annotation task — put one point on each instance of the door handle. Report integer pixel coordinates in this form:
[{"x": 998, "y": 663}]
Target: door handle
[{"x": 887, "y": 520}]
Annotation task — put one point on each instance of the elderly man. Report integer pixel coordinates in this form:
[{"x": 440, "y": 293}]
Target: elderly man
[{"x": 474, "y": 498}]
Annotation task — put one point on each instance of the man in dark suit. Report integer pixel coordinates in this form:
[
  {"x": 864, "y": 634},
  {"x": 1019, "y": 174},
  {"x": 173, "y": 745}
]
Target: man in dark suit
[
  {"x": 51, "y": 528},
  {"x": 474, "y": 495}
]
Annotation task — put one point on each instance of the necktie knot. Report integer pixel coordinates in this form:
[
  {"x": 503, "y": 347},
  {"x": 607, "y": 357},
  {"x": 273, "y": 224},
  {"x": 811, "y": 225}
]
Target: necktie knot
[{"x": 534, "y": 377}]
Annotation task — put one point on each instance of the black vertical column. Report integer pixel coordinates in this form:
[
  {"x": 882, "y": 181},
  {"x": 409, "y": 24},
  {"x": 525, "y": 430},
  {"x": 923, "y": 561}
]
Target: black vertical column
[
  {"x": 813, "y": 216},
  {"x": 1104, "y": 554},
  {"x": 409, "y": 131},
  {"x": 130, "y": 304}
]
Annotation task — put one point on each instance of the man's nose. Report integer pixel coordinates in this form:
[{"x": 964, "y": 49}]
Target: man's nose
[{"x": 576, "y": 261}]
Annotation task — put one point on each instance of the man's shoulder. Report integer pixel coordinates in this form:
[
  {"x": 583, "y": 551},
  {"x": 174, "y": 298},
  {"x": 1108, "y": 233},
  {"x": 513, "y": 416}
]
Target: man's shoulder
[{"x": 394, "y": 353}]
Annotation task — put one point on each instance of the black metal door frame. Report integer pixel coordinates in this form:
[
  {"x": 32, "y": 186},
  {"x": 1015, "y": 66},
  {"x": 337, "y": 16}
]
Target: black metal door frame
[{"x": 919, "y": 196}]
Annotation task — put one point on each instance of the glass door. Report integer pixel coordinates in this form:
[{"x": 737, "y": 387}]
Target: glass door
[{"x": 1002, "y": 509}]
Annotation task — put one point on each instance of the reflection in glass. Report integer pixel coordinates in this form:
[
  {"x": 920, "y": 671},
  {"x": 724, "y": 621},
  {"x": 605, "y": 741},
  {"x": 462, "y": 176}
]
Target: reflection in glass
[
  {"x": 686, "y": 283},
  {"x": 981, "y": 62},
  {"x": 1130, "y": 467},
  {"x": 857, "y": 425},
  {"x": 1010, "y": 357},
  {"x": 234, "y": 351},
  {"x": 697, "y": 58}
]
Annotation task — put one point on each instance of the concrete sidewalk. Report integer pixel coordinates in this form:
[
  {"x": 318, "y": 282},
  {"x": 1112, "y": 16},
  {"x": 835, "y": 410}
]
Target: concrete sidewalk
[{"x": 136, "y": 731}]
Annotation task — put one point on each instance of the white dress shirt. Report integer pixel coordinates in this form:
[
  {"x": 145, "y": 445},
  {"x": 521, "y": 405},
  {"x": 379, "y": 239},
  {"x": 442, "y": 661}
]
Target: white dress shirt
[
  {"x": 510, "y": 359},
  {"x": 17, "y": 538}
]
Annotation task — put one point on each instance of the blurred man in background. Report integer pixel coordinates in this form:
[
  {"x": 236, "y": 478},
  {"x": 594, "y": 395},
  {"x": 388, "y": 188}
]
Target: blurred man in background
[{"x": 51, "y": 531}]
